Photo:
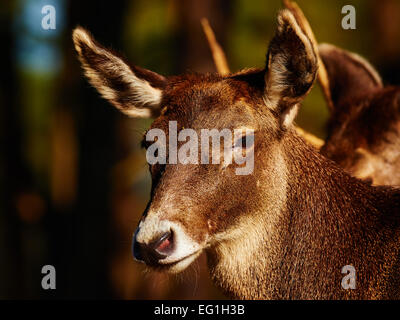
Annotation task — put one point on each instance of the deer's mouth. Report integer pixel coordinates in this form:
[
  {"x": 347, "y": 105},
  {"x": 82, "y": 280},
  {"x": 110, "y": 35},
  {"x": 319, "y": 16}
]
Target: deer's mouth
[{"x": 178, "y": 265}]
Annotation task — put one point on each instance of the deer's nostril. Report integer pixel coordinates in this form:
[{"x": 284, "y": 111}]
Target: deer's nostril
[
  {"x": 154, "y": 251},
  {"x": 164, "y": 244}
]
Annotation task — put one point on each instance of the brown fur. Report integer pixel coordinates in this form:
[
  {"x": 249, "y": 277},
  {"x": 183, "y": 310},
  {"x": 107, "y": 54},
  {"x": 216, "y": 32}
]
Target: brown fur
[
  {"x": 286, "y": 230},
  {"x": 364, "y": 126}
]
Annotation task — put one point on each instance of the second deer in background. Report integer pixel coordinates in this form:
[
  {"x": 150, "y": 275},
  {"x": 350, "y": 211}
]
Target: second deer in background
[{"x": 364, "y": 125}]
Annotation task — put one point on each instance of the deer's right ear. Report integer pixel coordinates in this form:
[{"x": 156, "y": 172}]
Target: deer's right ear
[
  {"x": 350, "y": 76},
  {"x": 291, "y": 68},
  {"x": 135, "y": 91}
]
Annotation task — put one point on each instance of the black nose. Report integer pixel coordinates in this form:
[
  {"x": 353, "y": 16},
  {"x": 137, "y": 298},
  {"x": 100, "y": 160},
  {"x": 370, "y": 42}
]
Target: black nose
[
  {"x": 156, "y": 250},
  {"x": 136, "y": 247}
]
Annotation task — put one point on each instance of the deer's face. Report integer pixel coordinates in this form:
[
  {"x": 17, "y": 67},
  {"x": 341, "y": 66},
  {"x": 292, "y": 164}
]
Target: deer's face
[{"x": 194, "y": 206}]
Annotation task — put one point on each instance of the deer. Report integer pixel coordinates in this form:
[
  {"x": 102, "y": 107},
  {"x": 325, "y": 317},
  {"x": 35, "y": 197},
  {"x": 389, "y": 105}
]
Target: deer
[
  {"x": 363, "y": 131},
  {"x": 286, "y": 230}
]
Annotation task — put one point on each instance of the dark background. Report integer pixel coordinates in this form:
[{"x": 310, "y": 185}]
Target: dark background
[{"x": 73, "y": 180}]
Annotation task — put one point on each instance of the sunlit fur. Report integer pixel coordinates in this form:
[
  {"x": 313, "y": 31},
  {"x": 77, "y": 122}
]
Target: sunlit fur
[
  {"x": 286, "y": 230},
  {"x": 115, "y": 80}
]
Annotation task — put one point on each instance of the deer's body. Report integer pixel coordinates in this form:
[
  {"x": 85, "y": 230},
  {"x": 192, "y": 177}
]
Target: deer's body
[
  {"x": 283, "y": 231},
  {"x": 328, "y": 220}
]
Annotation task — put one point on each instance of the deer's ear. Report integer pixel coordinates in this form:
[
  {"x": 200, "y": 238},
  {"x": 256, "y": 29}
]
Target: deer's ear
[
  {"x": 135, "y": 91},
  {"x": 350, "y": 76},
  {"x": 291, "y": 68}
]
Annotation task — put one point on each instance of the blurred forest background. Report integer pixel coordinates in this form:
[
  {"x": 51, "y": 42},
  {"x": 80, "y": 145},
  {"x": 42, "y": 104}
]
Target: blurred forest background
[{"x": 73, "y": 180}]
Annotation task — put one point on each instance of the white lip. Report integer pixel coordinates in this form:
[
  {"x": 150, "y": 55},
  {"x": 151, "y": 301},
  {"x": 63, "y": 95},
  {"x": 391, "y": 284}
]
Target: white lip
[
  {"x": 181, "y": 264},
  {"x": 168, "y": 261}
]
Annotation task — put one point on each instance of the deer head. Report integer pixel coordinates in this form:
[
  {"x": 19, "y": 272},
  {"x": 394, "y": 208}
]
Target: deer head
[
  {"x": 195, "y": 207},
  {"x": 364, "y": 125}
]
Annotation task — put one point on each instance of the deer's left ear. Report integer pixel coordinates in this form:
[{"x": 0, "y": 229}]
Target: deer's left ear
[
  {"x": 291, "y": 68},
  {"x": 135, "y": 91}
]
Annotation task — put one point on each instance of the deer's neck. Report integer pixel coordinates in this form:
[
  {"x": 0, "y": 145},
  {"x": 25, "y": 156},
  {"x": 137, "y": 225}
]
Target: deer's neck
[{"x": 297, "y": 246}]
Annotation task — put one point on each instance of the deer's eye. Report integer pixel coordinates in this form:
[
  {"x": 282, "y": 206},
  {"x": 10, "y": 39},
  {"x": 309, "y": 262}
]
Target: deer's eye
[{"x": 245, "y": 142}]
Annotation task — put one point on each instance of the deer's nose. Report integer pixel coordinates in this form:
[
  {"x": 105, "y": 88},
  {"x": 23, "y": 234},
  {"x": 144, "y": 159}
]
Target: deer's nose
[
  {"x": 136, "y": 247},
  {"x": 156, "y": 250}
]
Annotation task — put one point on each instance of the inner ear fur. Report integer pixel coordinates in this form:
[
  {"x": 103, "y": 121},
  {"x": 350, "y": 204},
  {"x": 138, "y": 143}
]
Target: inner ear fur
[{"x": 135, "y": 91}]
